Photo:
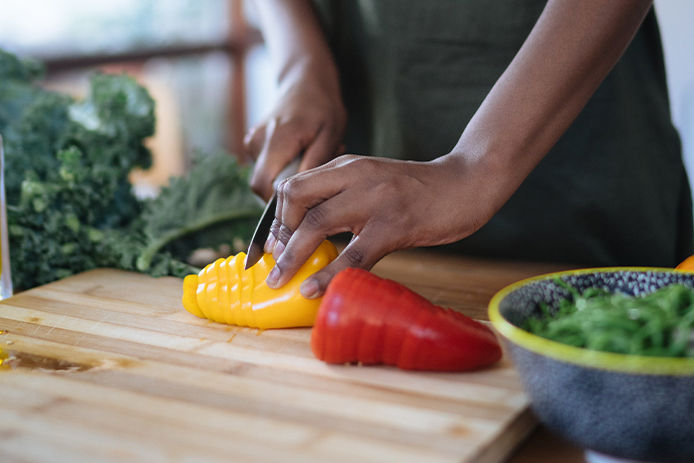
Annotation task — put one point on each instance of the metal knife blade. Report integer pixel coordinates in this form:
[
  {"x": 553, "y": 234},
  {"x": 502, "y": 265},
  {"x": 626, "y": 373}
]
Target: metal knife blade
[{"x": 262, "y": 230}]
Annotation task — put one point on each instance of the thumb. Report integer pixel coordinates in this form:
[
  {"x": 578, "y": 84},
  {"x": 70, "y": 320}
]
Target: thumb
[{"x": 357, "y": 254}]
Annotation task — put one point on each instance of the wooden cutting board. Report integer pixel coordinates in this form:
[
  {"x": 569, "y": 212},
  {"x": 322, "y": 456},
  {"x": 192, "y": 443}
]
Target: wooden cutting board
[{"x": 107, "y": 366}]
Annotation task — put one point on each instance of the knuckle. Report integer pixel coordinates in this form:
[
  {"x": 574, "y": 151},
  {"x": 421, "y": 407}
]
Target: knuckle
[
  {"x": 281, "y": 190},
  {"x": 346, "y": 158},
  {"x": 315, "y": 217},
  {"x": 343, "y": 160},
  {"x": 363, "y": 165},
  {"x": 291, "y": 189},
  {"x": 275, "y": 228},
  {"x": 284, "y": 233},
  {"x": 355, "y": 257},
  {"x": 323, "y": 278},
  {"x": 286, "y": 260},
  {"x": 253, "y": 141}
]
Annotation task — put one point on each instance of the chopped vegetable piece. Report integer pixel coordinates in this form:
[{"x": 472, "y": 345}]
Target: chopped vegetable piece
[
  {"x": 657, "y": 324},
  {"x": 687, "y": 265},
  {"x": 367, "y": 319},
  {"x": 226, "y": 293}
]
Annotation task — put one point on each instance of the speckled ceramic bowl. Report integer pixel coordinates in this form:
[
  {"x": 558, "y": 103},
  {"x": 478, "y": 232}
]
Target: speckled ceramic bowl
[{"x": 634, "y": 407}]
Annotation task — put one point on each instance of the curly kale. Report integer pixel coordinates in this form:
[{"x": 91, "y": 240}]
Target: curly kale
[
  {"x": 214, "y": 195},
  {"x": 70, "y": 205}
]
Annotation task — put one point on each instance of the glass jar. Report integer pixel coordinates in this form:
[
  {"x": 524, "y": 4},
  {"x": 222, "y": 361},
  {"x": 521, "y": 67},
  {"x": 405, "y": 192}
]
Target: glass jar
[{"x": 5, "y": 275}]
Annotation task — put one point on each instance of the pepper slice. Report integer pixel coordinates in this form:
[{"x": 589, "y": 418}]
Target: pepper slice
[
  {"x": 368, "y": 319},
  {"x": 226, "y": 293}
]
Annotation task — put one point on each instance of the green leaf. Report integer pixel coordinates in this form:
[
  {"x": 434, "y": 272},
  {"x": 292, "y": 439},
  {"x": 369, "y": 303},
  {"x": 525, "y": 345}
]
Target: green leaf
[
  {"x": 214, "y": 192},
  {"x": 70, "y": 205}
]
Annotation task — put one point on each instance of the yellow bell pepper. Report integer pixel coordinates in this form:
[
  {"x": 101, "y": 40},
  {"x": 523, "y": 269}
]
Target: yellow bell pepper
[
  {"x": 687, "y": 265},
  {"x": 226, "y": 293}
]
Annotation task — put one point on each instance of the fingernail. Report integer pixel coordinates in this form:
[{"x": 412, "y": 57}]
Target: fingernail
[
  {"x": 270, "y": 243},
  {"x": 309, "y": 288},
  {"x": 277, "y": 252},
  {"x": 273, "y": 277}
]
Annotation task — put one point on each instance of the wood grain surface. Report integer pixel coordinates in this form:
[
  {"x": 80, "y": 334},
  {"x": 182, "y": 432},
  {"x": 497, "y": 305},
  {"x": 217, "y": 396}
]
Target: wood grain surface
[{"x": 107, "y": 366}]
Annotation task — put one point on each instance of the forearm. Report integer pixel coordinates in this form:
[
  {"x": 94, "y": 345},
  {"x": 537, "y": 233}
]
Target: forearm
[
  {"x": 296, "y": 41},
  {"x": 567, "y": 55}
]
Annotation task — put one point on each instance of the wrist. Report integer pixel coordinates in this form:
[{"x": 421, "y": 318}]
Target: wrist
[{"x": 480, "y": 177}]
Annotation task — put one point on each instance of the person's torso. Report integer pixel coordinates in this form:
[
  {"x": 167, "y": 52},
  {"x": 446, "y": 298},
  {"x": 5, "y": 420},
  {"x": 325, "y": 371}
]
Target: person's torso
[{"x": 612, "y": 191}]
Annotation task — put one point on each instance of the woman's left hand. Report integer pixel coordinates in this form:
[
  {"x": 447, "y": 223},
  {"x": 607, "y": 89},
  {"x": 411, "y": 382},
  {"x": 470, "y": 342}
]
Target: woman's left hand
[{"x": 386, "y": 204}]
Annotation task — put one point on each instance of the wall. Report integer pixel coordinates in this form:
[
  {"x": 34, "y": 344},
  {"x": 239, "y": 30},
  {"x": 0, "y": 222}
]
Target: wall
[{"x": 676, "y": 19}]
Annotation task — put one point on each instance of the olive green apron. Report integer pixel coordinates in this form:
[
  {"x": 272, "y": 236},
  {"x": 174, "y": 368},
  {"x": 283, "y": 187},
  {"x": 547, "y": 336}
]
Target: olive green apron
[{"x": 613, "y": 190}]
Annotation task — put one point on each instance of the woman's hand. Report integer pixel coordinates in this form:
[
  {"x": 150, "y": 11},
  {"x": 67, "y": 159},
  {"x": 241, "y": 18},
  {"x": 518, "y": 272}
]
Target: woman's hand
[
  {"x": 386, "y": 204},
  {"x": 308, "y": 118},
  {"x": 391, "y": 205}
]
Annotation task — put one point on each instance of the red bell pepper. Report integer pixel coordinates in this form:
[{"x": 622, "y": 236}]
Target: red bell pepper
[{"x": 367, "y": 319}]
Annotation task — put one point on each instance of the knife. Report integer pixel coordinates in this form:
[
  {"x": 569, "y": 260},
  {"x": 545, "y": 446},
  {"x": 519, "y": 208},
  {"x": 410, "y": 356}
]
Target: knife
[{"x": 262, "y": 230}]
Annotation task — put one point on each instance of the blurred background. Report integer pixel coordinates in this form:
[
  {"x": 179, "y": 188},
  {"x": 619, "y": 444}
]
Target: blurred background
[
  {"x": 205, "y": 65},
  {"x": 202, "y": 61}
]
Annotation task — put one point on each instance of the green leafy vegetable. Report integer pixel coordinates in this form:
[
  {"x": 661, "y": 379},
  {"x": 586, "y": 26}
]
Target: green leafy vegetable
[
  {"x": 657, "y": 324},
  {"x": 214, "y": 196},
  {"x": 70, "y": 205}
]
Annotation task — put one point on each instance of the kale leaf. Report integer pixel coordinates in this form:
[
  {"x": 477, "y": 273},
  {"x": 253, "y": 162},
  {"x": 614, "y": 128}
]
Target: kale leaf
[{"x": 70, "y": 205}]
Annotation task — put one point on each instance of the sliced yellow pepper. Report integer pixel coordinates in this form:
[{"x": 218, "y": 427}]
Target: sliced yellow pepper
[{"x": 226, "y": 293}]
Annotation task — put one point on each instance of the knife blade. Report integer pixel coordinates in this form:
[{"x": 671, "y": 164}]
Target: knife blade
[{"x": 262, "y": 230}]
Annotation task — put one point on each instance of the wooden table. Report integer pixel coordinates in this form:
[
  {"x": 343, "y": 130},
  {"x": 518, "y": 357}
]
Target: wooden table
[
  {"x": 107, "y": 366},
  {"x": 467, "y": 284}
]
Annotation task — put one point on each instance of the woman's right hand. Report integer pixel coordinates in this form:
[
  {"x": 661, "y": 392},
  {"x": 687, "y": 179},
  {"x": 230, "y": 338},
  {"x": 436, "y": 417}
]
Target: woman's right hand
[{"x": 309, "y": 118}]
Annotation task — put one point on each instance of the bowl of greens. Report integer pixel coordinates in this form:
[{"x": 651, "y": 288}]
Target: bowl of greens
[{"x": 607, "y": 357}]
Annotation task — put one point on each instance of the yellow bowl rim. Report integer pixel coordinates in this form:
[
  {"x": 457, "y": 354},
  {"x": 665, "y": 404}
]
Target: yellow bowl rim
[{"x": 624, "y": 363}]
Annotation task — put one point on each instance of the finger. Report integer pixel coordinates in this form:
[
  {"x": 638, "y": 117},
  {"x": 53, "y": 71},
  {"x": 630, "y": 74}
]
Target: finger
[
  {"x": 274, "y": 233},
  {"x": 283, "y": 236},
  {"x": 253, "y": 142},
  {"x": 321, "y": 150},
  {"x": 280, "y": 148},
  {"x": 345, "y": 159},
  {"x": 277, "y": 222},
  {"x": 359, "y": 253},
  {"x": 272, "y": 237},
  {"x": 298, "y": 194},
  {"x": 281, "y": 233},
  {"x": 336, "y": 215}
]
